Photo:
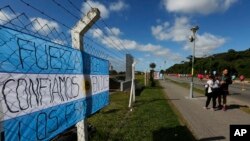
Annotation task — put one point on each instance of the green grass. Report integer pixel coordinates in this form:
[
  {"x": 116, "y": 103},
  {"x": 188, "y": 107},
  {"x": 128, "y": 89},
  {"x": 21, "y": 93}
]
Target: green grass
[
  {"x": 140, "y": 79},
  {"x": 245, "y": 109},
  {"x": 152, "y": 119}
]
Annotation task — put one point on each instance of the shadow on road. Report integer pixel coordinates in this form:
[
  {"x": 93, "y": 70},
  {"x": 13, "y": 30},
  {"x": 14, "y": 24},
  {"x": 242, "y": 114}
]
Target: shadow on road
[
  {"x": 236, "y": 106},
  {"x": 179, "y": 133},
  {"x": 213, "y": 138}
]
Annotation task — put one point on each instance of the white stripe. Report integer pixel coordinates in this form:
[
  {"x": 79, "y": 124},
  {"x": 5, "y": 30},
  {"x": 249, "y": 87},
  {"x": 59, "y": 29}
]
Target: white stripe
[{"x": 27, "y": 93}]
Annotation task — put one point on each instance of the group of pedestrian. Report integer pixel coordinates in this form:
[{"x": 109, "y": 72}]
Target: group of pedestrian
[{"x": 217, "y": 90}]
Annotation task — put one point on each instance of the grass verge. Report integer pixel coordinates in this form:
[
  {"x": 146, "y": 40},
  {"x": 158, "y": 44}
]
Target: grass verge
[
  {"x": 245, "y": 109},
  {"x": 152, "y": 119}
]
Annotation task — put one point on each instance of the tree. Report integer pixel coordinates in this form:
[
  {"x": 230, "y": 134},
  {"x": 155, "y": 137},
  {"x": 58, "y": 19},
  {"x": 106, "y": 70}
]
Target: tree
[
  {"x": 162, "y": 71},
  {"x": 113, "y": 72},
  {"x": 122, "y": 72},
  {"x": 232, "y": 59},
  {"x": 152, "y": 65},
  {"x": 189, "y": 58},
  {"x": 231, "y": 51}
]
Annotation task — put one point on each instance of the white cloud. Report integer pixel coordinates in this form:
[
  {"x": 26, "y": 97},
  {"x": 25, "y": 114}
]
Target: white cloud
[
  {"x": 179, "y": 32},
  {"x": 37, "y": 24},
  {"x": 205, "y": 43},
  {"x": 149, "y": 48},
  {"x": 129, "y": 44},
  {"x": 197, "y": 6},
  {"x": 5, "y": 16},
  {"x": 118, "y": 6},
  {"x": 41, "y": 23},
  {"x": 118, "y": 43},
  {"x": 162, "y": 52},
  {"x": 140, "y": 59},
  {"x": 97, "y": 33},
  {"x": 114, "y": 31},
  {"x": 103, "y": 9}
]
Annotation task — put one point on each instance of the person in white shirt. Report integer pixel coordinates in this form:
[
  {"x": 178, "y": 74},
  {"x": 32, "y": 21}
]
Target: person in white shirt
[
  {"x": 216, "y": 87},
  {"x": 210, "y": 94}
]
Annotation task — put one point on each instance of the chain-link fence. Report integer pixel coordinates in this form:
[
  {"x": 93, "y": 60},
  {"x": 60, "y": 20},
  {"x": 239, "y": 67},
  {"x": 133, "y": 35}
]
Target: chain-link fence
[{"x": 46, "y": 85}]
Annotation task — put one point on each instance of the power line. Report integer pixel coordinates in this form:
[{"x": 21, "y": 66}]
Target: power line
[
  {"x": 24, "y": 28},
  {"x": 102, "y": 46}
]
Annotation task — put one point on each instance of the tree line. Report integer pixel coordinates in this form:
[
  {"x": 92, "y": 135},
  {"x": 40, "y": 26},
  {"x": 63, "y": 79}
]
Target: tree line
[{"x": 238, "y": 62}]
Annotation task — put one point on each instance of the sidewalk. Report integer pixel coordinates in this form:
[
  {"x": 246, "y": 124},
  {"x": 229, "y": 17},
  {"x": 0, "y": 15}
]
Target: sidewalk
[{"x": 206, "y": 125}]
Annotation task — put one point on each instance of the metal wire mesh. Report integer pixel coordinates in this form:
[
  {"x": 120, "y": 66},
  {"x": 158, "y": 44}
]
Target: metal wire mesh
[
  {"x": 37, "y": 63},
  {"x": 39, "y": 70}
]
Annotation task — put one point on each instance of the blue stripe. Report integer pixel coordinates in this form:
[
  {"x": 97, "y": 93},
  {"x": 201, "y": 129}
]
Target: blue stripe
[
  {"x": 47, "y": 123},
  {"x": 23, "y": 53}
]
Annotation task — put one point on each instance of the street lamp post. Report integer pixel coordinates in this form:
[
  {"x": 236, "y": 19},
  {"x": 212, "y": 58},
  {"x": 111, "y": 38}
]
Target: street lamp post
[
  {"x": 182, "y": 71},
  {"x": 210, "y": 63},
  {"x": 192, "y": 39}
]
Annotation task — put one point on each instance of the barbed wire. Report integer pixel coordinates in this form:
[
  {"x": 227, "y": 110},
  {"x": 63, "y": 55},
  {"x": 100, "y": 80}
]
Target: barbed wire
[
  {"x": 29, "y": 27},
  {"x": 35, "y": 33},
  {"x": 53, "y": 19},
  {"x": 10, "y": 89},
  {"x": 8, "y": 77},
  {"x": 109, "y": 52},
  {"x": 74, "y": 6},
  {"x": 111, "y": 41},
  {"x": 98, "y": 27},
  {"x": 46, "y": 36},
  {"x": 20, "y": 26},
  {"x": 120, "y": 42}
]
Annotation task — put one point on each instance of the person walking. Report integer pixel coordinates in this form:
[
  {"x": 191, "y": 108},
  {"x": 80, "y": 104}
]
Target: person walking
[
  {"x": 216, "y": 88},
  {"x": 209, "y": 93},
  {"x": 224, "y": 84}
]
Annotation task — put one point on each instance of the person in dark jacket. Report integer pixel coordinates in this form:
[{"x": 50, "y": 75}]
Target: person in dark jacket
[{"x": 224, "y": 84}]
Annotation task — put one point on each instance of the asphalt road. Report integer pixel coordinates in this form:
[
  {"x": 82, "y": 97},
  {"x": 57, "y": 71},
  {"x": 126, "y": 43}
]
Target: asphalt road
[{"x": 235, "y": 89}]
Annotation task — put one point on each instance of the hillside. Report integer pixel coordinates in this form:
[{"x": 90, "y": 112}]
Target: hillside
[{"x": 238, "y": 62}]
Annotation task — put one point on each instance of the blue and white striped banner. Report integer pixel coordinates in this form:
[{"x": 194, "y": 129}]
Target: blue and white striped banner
[{"x": 46, "y": 87}]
